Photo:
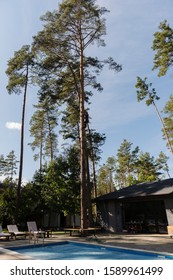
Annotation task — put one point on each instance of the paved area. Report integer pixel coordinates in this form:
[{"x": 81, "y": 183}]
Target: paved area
[{"x": 151, "y": 242}]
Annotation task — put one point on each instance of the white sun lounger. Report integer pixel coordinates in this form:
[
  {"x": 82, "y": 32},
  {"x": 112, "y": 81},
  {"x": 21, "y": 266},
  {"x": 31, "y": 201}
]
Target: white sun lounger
[
  {"x": 4, "y": 234},
  {"x": 13, "y": 230},
  {"x": 33, "y": 230}
]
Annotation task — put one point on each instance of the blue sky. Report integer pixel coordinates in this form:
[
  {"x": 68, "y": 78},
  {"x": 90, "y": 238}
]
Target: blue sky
[{"x": 115, "y": 112}]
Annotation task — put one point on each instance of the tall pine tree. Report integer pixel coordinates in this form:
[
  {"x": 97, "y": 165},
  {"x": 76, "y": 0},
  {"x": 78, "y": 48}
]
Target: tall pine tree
[
  {"x": 18, "y": 73},
  {"x": 62, "y": 44}
]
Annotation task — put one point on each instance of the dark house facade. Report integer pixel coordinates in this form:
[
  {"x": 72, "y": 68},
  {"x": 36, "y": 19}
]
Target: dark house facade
[{"x": 142, "y": 208}]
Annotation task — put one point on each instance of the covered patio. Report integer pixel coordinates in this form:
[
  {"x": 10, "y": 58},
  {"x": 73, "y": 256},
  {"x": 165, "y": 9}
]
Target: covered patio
[{"x": 142, "y": 208}]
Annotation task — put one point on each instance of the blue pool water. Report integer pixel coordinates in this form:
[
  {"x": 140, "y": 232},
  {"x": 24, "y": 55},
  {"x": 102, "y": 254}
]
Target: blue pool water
[{"x": 80, "y": 251}]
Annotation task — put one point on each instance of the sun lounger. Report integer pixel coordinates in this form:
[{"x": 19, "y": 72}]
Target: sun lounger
[
  {"x": 33, "y": 230},
  {"x": 13, "y": 230},
  {"x": 4, "y": 234}
]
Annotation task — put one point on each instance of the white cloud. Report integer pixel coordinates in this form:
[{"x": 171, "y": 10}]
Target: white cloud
[{"x": 13, "y": 125}]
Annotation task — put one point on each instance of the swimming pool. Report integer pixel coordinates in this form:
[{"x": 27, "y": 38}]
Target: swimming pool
[{"x": 81, "y": 251}]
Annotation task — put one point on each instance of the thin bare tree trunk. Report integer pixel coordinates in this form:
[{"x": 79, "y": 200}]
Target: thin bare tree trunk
[
  {"x": 93, "y": 170},
  {"x": 50, "y": 135},
  {"x": 82, "y": 145},
  {"x": 41, "y": 151},
  {"x": 21, "y": 148},
  {"x": 89, "y": 204},
  {"x": 164, "y": 129}
]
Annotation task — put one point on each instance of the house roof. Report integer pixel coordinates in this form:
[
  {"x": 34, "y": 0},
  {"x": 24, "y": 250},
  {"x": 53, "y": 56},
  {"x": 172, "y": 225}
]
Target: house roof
[{"x": 155, "y": 188}]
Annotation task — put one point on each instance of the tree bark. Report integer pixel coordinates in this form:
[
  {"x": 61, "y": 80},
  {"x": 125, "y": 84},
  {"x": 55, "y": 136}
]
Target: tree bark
[
  {"x": 21, "y": 148},
  {"x": 164, "y": 129},
  {"x": 83, "y": 178}
]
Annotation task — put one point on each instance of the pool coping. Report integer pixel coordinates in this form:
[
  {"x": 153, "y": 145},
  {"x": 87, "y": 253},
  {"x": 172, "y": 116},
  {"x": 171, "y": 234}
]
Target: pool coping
[{"x": 17, "y": 255}]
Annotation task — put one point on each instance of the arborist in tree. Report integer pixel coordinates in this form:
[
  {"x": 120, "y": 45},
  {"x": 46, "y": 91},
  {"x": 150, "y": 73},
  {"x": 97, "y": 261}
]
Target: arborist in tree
[{"x": 86, "y": 118}]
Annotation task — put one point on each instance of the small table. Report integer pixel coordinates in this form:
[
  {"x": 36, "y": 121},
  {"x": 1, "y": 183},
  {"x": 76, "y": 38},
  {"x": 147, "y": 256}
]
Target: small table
[
  {"x": 48, "y": 233},
  {"x": 80, "y": 230}
]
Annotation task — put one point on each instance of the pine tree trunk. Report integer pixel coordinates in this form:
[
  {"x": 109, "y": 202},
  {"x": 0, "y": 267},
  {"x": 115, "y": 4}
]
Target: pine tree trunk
[
  {"x": 164, "y": 129},
  {"x": 89, "y": 204},
  {"x": 50, "y": 136},
  {"x": 21, "y": 149},
  {"x": 82, "y": 146},
  {"x": 41, "y": 151},
  {"x": 93, "y": 170}
]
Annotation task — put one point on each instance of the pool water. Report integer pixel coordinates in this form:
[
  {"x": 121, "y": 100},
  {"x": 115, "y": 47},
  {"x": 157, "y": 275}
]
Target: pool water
[{"x": 79, "y": 251}]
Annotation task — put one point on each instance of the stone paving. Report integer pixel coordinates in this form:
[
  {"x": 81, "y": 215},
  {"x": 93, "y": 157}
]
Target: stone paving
[{"x": 160, "y": 243}]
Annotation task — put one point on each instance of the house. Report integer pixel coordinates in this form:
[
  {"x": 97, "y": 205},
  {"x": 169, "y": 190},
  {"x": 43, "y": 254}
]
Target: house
[{"x": 145, "y": 207}]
